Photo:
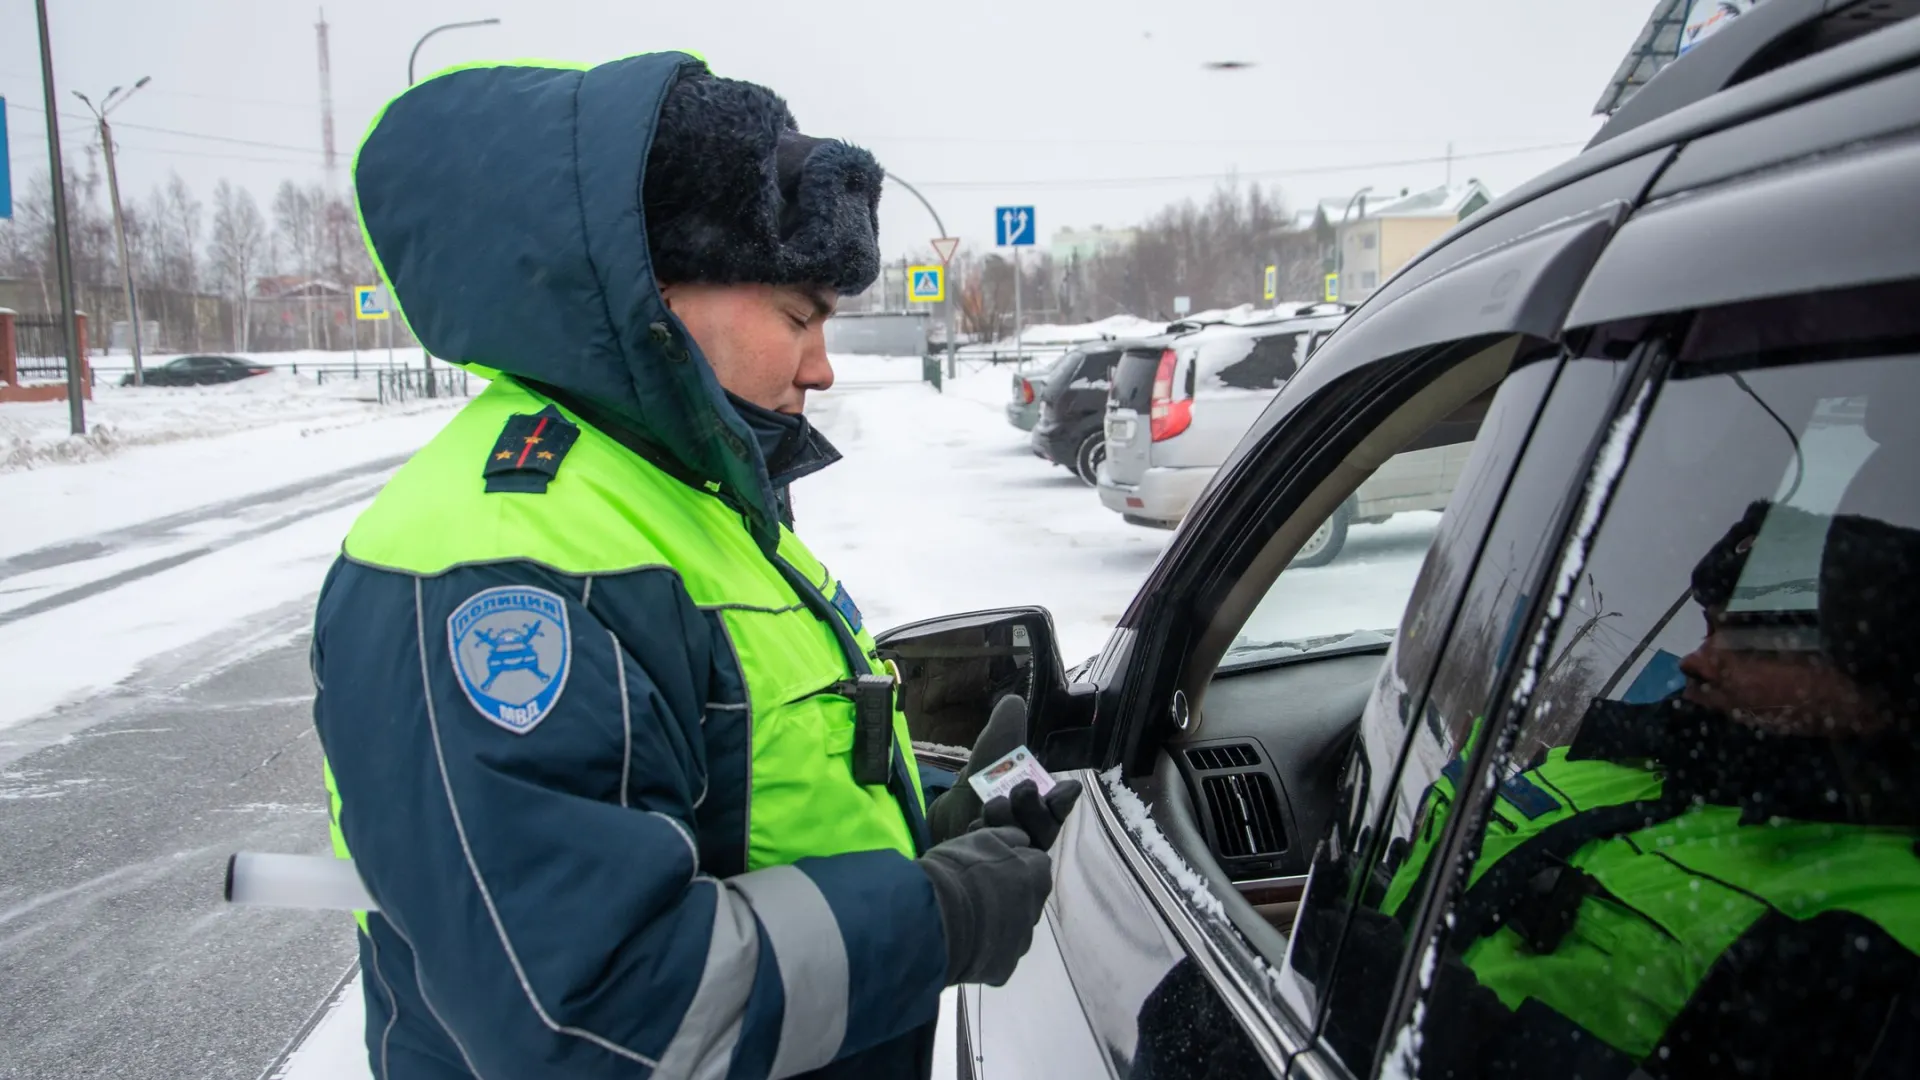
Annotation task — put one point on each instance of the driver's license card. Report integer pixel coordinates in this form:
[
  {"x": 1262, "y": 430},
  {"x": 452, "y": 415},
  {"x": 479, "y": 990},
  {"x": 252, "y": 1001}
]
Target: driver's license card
[{"x": 1002, "y": 776}]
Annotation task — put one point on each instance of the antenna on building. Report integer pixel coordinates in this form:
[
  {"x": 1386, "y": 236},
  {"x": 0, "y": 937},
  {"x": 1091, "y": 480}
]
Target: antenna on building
[{"x": 326, "y": 99}]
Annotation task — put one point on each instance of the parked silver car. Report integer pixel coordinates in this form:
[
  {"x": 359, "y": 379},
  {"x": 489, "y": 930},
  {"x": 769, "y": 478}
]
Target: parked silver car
[{"x": 1175, "y": 413}]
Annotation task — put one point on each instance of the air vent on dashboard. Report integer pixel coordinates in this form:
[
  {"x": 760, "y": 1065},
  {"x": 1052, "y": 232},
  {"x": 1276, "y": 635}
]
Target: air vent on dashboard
[
  {"x": 1227, "y": 756},
  {"x": 1246, "y": 815}
]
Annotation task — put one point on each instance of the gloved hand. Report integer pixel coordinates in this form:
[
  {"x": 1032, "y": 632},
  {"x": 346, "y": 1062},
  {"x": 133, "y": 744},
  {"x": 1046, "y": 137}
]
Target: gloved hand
[
  {"x": 991, "y": 885},
  {"x": 959, "y": 807},
  {"x": 1024, "y": 808}
]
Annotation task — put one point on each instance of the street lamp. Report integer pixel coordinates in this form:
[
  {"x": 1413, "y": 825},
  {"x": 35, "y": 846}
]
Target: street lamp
[
  {"x": 942, "y": 230},
  {"x": 112, "y": 101},
  {"x": 1340, "y": 239},
  {"x": 411, "y": 57}
]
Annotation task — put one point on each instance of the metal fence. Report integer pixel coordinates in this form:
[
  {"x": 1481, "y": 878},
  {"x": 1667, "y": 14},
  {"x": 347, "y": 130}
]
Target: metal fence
[
  {"x": 40, "y": 345},
  {"x": 398, "y": 385}
]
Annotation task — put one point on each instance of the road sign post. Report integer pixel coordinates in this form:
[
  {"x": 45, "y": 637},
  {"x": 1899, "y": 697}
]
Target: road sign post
[
  {"x": 1014, "y": 227},
  {"x": 944, "y": 247}
]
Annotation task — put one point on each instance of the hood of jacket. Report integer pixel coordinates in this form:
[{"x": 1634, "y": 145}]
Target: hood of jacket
[{"x": 502, "y": 207}]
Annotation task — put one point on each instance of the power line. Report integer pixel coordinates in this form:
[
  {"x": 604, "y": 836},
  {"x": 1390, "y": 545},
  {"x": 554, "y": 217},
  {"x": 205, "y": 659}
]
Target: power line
[
  {"x": 176, "y": 132},
  {"x": 1129, "y": 181}
]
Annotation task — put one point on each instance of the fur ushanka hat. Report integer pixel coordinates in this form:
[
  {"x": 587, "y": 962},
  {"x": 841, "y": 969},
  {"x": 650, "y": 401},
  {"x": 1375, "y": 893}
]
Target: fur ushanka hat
[{"x": 734, "y": 193}]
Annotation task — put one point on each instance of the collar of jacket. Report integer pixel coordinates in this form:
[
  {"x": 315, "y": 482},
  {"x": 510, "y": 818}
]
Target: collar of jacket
[
  {"x": 1710, "y": 758},
  {"x": 790, "y": 445}
]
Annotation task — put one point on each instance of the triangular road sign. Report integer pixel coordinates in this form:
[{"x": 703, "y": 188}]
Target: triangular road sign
[{"x": 944, "y": 246}]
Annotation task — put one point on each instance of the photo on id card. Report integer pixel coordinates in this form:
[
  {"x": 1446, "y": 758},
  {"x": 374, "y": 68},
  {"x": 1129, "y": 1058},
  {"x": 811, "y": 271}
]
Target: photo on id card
[{"x": 1004, "y": 775}]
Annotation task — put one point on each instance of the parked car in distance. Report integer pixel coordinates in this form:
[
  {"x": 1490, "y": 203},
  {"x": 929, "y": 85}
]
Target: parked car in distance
[
  {"x": 1023, "y": 407},
  {"x": 199, "y": 371},
  {"x": 1073, "y": 404},
  {"x": 1178, "y": 406}
]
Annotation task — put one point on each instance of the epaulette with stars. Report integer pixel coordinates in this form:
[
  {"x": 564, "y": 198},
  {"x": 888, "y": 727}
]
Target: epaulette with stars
[{"x": 528, "y": 454}]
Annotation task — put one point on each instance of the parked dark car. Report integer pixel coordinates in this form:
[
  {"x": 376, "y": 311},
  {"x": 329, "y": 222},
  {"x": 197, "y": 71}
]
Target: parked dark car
[
  {"x": 1073, "y": 402},
  {"x": 1620, "y": 781},
  {"x": 198, "y": 371}
]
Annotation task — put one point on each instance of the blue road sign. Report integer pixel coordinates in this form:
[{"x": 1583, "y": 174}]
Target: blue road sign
[
  {"x": 6, "y": 181},
  {"x": 1013, "y": 226}
]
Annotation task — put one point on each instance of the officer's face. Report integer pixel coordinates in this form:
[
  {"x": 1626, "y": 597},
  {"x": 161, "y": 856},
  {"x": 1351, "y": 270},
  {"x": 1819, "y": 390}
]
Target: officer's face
[
  {"x": 1785, "y": 691},
  {"x": 766, "y": 343}
]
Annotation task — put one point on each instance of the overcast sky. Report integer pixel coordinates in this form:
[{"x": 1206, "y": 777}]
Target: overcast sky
[{"x": 1092, "y": 112}]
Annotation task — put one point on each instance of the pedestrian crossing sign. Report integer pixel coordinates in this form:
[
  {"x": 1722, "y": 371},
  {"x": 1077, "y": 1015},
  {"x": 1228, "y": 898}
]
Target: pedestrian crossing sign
[
  {"x": 1272, "y": 286},
  {"x": 926, "y": 284},
  {"x": 370, "y": 302}
]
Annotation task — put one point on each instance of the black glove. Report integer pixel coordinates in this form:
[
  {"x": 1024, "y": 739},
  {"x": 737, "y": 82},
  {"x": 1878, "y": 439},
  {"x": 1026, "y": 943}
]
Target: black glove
[
  {"x": 1024, "y": 808},
  {"x": 959, "y": 807},
  {"x": 991, "y": 886}
]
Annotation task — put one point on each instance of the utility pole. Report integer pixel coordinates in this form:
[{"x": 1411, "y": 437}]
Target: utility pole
[
  {"x": 112, "y": 101},
  {"x": 62, "y": 249}
]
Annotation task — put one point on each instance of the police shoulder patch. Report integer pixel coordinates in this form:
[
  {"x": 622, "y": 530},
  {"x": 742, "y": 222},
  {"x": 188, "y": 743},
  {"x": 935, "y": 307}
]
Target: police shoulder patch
[{"x": 511, "y": 650}]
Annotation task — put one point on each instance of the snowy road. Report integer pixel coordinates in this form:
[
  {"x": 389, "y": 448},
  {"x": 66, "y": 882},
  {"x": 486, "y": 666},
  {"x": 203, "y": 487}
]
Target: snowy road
[{"x": 153, "y": 608}]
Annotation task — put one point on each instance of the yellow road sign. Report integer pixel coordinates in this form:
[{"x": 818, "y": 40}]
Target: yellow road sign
[
  {"x": 1273, "y": 282},
  {"x": 1333, "y": 287}
]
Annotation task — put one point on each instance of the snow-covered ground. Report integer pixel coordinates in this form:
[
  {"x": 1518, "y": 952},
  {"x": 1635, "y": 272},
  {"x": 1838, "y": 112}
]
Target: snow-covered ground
[{"x": 207, "y": 530}]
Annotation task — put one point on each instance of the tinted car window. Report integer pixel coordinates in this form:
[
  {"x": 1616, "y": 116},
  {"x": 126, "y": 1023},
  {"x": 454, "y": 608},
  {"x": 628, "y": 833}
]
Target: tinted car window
[
  {"x": 1133, "y": 378},
  {"x": 1700, "y": 858},
  {"x": 1438, "y": 678}
]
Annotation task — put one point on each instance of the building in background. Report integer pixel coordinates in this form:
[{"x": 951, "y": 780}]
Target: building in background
[
  {"x": 1382, "y": 235},
  {"x": 1069, "y": 245}
]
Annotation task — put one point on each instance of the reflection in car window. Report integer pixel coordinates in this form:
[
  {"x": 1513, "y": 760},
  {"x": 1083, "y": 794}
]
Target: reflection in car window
[
  {"x": 1701, "y": 856},
  {"x": 1393, "y": 818}
]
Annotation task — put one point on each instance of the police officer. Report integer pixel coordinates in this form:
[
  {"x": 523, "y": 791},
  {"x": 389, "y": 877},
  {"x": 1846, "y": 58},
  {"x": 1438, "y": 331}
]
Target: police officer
[{"x": 610, "y": 748}]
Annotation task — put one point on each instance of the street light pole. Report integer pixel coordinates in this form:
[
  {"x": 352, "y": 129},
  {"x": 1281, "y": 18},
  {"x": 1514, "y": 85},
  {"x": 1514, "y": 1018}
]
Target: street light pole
[
  {"x": 1340, "y": 240},
  {"x": 426, "y": 358},
  {"x": 62, "y": 249},
  {"x": 411, "y": 57},
  {"x": 112, "y": 101},
  {"x": 940, "y": 228}
]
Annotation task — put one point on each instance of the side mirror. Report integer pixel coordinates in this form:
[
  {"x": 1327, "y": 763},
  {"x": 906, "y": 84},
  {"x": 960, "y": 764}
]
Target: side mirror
[{"x": 954, "y": 669}]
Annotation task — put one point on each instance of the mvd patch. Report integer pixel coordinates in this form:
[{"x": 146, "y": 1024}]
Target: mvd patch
[
  {"x": 511, "y": 650},
  {"x": 528, "y": 454}
]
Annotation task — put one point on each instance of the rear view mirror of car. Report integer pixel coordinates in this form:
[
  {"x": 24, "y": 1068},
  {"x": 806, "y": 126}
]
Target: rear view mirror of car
[{"x": 954, "y": 669}]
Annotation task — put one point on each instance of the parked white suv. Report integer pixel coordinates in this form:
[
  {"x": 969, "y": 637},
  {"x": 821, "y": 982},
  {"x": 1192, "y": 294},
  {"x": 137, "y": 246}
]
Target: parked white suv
[{"x": 1175, "y": 413}]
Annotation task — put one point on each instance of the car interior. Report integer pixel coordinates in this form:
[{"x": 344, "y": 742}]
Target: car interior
[{"x": 1246, "y": 791}]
